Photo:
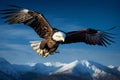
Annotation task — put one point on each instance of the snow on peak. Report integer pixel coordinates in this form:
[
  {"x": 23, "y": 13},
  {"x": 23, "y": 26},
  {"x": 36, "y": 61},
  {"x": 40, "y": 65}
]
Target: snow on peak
[
  {"x": 55, "y": 64},
  {"x": 67, "y": 68},
  {"x": 93, "y": 68},
  {"x": 48, "y": 64},
  {"x": 111, "y": 66},
  {"x": 83, "y": 66},
  {"x": 85, "y": 63},
  {"x": 118, "y": 68}
]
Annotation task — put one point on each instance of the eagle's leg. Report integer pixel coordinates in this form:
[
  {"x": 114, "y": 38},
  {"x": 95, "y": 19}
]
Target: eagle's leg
[
  {"x": 41, "y": 52},
  {"x": 46, "y": 54}
]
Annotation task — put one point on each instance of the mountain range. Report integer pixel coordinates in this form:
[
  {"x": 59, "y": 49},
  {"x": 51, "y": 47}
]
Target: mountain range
[{"x": 76, "y": 70}]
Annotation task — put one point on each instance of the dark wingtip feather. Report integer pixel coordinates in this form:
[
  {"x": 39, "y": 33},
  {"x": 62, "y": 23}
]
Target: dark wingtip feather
[
  {"x": 15, "y": 6},
  {"x": 109, "y": 33},
  {"x": 107, "y": 39},
  {"x": 6, "y": 17},
  {"x": 109, "y": 36},
  {"x": 114, "y": 27},
  {"x": 103, "y": 43},
  {"x": 10, "y": 12},
  {"x": 6, "y": 10},
  {"x": 9, "y": 21},
  {"x": 106, "y": 42}
]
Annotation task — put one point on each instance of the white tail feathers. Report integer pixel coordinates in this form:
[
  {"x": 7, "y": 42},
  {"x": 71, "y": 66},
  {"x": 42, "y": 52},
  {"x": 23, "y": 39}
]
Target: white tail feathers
[{"x": 35, "y": 45}]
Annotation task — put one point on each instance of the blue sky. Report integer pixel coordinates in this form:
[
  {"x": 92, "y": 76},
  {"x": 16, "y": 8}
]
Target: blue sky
[{"x": 68, "y": 16}]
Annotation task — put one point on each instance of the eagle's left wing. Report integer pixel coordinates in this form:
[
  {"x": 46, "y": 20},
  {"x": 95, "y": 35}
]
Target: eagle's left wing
[
  {"x": 31, "y": 18},
  {"x": 89, "y": 36}
]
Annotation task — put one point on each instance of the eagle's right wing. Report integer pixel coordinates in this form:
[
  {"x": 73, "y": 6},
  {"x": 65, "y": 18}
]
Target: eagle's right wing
[
  {"x": 31, "y": 18},
  {"x": 89, "y": 36}
]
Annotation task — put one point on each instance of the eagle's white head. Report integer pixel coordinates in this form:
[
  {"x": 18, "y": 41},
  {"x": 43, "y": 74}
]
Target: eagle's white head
[{"x": 59, "y": 36}]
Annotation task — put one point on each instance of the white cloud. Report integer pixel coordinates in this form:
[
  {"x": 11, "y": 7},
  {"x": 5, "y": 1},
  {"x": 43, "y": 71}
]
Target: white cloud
[
  {"x": 16, "y": 47},
  {"x": 30, "y": 64},
  {"x": 17, "y": 31}
]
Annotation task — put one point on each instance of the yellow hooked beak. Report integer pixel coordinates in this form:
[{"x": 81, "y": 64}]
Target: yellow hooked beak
[{"x": 63, "y": 39}]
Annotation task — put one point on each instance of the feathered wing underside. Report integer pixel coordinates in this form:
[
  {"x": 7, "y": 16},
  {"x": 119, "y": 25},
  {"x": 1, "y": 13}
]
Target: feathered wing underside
[
  {"x": 33, "y": 19},
  {"x": 89, "y": 36}
]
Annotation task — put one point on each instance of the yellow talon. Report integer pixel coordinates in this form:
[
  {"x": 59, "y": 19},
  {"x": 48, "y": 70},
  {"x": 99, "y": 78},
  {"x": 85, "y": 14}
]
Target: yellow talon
[
  {"x": 46, "y": 54},
  {"x": 41, "y": 52}
]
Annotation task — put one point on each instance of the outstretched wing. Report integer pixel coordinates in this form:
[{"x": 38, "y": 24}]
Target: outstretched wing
[
  {"x": 89, "y": 36},
  {"x": 31, "y": 18}
]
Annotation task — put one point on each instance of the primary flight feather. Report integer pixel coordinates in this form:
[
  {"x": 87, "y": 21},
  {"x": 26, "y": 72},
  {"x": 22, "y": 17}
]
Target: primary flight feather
[{"x": 52, "y": 37}]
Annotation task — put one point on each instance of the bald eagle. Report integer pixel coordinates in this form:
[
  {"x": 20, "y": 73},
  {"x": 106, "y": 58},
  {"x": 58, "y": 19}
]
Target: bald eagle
[{"x": 52, "y": 37}]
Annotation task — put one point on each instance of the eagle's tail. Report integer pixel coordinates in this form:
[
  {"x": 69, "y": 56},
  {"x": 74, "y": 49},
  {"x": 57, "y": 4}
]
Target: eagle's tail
[{"x": 35, "y": 45}]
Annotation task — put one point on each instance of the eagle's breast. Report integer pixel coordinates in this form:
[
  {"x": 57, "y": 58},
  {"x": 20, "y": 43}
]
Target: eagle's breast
[{"x": 51, "y": 43}]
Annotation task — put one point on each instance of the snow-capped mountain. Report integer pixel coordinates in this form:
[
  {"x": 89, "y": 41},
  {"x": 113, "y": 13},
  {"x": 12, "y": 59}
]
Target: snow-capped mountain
[
  {"x": 44, "y": 69},
  {"x": 76, "y": 70},
  {"x": 118, "y": 68},
  {"x": 86, "y": 68}
]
